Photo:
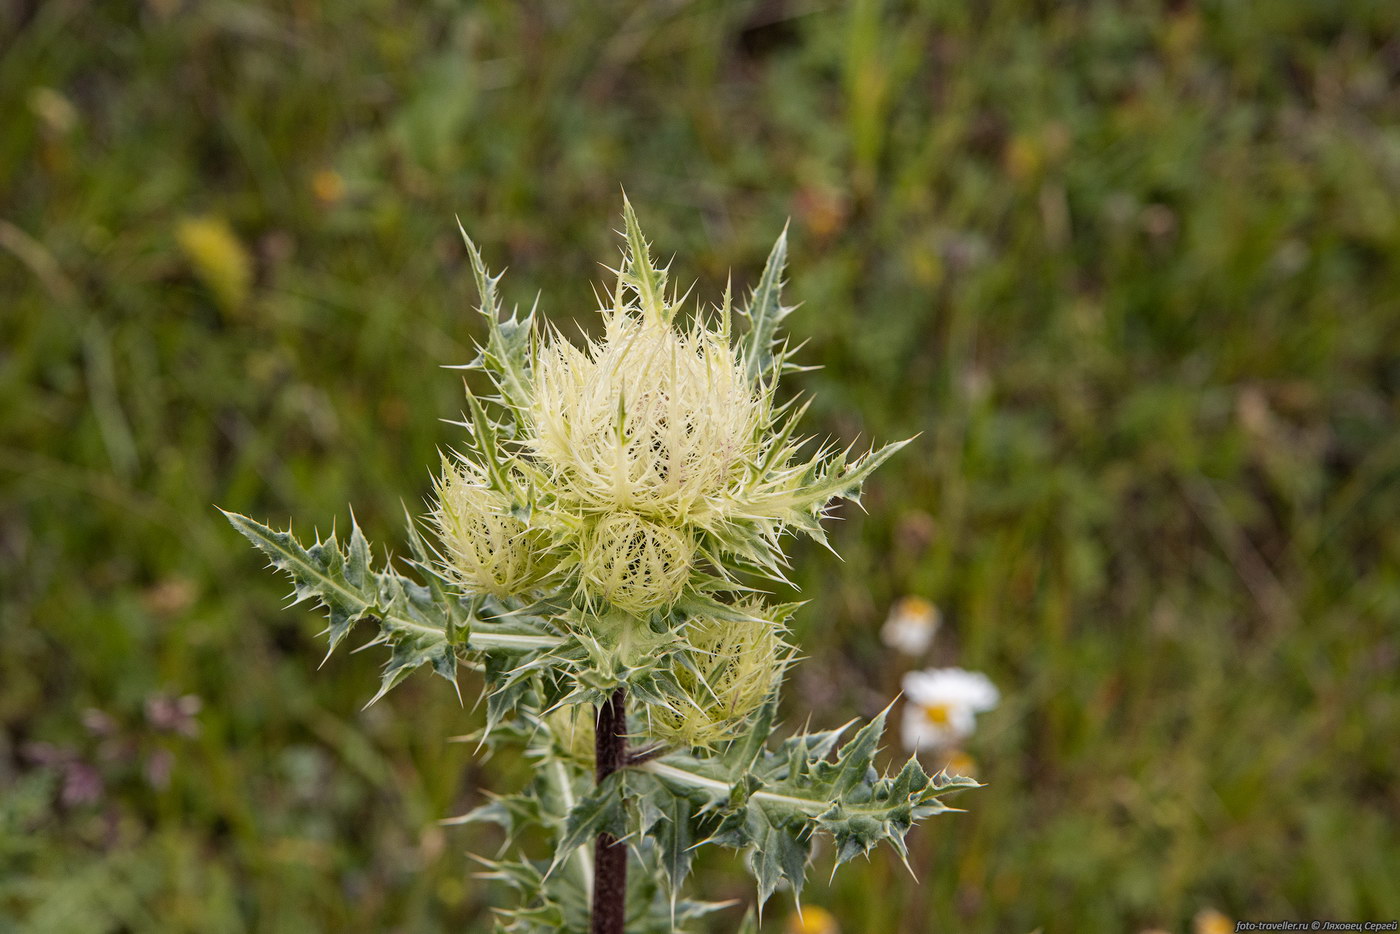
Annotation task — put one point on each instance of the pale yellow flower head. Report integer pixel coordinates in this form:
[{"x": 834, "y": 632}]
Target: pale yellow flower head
[
  {"x": 635, "y": 564},
  {"x": 737, "y": 664},
  {"x": 573, "y": 732},
  {"x": 488, "y": 549},
  {"x": 652, "y": 419}
]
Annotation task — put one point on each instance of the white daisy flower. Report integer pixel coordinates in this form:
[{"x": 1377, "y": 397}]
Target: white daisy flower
[
  {"x": 911, "y": 625},
  {"x": 941, "y": 705}
]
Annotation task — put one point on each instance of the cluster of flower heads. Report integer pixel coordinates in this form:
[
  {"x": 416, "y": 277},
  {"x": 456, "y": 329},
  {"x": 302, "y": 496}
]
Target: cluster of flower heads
[{"x": 643, "y": 476}]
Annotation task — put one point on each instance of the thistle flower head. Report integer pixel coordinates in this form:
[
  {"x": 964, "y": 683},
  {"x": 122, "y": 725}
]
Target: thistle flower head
[
  {"x": 572, "y": 731},
  {"x": 488, "y": 549},
  {"x": 736, "y": 665},
  {"x": 635, "y": 564},
  {"x": 650, "y": 419}
]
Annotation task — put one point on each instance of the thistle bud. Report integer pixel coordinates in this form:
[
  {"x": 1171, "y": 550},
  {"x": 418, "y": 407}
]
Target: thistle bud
[
  {"x": 737, "y": 664},
  {"x": 572, "y": 730},
  {"x": 634, "y": 564},
  {"x": 488, "y": 549},
  {"x": 652, "y": 419}
]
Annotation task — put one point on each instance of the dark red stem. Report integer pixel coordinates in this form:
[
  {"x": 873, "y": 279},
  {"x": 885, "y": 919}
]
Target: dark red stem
[{"x": 610, "y": 854}]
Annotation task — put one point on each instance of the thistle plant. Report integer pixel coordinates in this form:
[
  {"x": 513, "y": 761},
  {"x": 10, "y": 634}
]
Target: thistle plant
[{"x": 601, "y": 536}]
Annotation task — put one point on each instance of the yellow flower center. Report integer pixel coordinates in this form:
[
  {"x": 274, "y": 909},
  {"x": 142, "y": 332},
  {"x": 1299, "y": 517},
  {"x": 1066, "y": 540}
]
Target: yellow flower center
[
  {"x": 917, "y": 607},
  {"x": 937, "y": 714}
]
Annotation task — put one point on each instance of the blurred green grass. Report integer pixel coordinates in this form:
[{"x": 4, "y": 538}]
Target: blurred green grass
[{"x": 1129, "y": 268}]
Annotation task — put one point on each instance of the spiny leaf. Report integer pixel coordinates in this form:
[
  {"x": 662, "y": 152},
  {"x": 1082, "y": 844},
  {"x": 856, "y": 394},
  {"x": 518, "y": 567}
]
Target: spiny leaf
[
  {"x": 765, "y": 312},
  {"x": 853, "y": 762},
  {"x": 802, "y": 496},
  {"x": 674, "y": 834},
  {"x": 412, "y": 623},
  {"x": 743, "y": 752},
  {"x": 771, "y": 803},
  {"x": 649, "y": 281},
  {"x": 845, "y": 481},
  {"x": 776, "y": 853},
  {"x": 421, "y": 561},
  {"x": 506, "y": 353},
  {"x": 487, "y": 442},
  {"x": 512, "y": 813},
  {"x": 602, "y": 811}
]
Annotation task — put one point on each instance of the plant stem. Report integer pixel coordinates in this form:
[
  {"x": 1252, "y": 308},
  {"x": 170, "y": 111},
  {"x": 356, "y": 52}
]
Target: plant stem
[{"x": 610, "y": 854}]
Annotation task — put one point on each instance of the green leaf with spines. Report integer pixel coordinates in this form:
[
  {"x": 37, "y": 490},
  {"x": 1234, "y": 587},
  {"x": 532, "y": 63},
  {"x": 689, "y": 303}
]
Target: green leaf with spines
[
  {"x": 556, "y": 892},
  {"x": 764, "y": 313},
  {"x": 639, "y": 271},
  {"x": 671, "y": 824},
  {"x": 419, "y": 626},
  {"x": 429, "y": 566},
  {"x": 507, "y": 353},
  {"x": 603, "y": 810},
  {"x": 343, "y": 582},
  {"x": 770, "y": 804},
  {"x": 778, "y": 849},
  {"x": 512, "y": 813}
]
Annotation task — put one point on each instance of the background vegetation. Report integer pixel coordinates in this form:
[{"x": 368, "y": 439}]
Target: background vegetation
[{"x": 1129, "y": 268}]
